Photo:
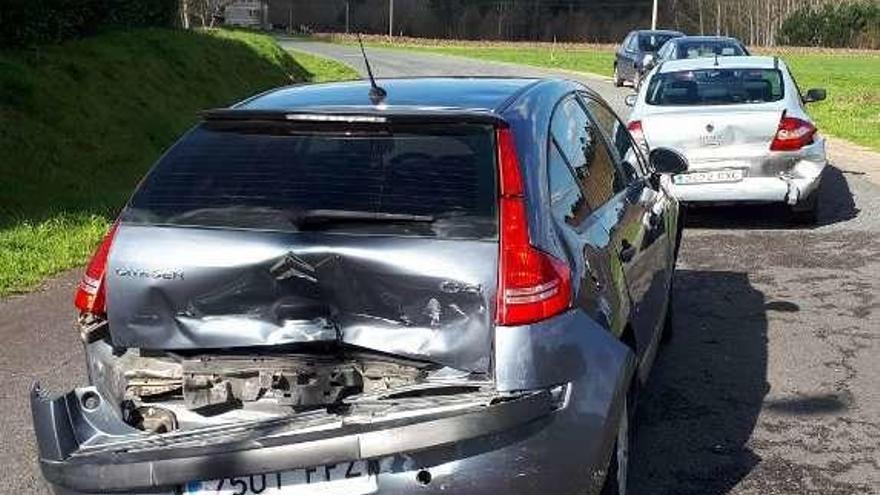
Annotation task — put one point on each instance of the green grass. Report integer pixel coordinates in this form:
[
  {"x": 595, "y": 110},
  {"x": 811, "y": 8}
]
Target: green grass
[
  {"x": 82, "y": 121},
  {"x": 322, "y": 69},
  {"x": 852, "y": 110},
  {"x": 852, "y": 78}
]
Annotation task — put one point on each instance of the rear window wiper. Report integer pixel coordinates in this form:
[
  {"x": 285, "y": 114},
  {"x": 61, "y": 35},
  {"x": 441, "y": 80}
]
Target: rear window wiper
[{"x": 318, "y": 217}]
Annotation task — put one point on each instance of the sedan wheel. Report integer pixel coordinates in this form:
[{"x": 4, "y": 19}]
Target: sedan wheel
[{"x": 618, "y": 469}]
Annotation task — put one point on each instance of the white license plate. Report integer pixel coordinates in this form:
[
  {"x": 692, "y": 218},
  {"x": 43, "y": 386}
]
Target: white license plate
[
  {"x": 350, "y": 478},
  {"x": 709, "y": 176}
]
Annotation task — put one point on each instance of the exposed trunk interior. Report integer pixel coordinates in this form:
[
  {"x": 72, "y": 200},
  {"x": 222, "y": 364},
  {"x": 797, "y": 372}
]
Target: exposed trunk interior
[{"x": 161, "y": 392}]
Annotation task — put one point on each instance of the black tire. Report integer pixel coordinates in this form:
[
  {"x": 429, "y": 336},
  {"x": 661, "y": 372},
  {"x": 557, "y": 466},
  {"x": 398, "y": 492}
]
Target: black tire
[
  {"x": 618, "y": 82},
  {"x": 668, "y": 328},
  {"x": 618, "y": 467},
  {"x": 807, "y": 211},
  {"x": 637, "y": 81}
]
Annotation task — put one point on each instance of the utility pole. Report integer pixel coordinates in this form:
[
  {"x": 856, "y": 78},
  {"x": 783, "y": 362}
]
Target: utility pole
[
  {"x": 390, "y": 18},
  {"x": 654, "y": 16},
  {"x": 347, "y": 15}
]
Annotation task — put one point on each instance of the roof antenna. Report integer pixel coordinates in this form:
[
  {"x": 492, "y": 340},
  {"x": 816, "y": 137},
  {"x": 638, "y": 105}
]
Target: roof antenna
[
  {"x": 716, "y": 59},
  {"x": 377, "y": 93}
]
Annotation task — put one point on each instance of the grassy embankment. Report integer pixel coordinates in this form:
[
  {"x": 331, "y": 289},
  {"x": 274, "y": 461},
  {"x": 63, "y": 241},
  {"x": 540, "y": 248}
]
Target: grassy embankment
[
  {"x": 852, "y": 77},
  {"x": 81, "y": 122}
]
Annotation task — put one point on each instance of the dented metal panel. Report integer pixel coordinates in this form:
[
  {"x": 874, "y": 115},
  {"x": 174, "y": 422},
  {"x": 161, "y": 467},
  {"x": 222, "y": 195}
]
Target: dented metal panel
[{"x": 198, "y": 288}]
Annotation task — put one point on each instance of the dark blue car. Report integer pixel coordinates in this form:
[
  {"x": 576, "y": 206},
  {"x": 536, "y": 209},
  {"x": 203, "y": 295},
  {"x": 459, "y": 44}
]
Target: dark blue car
[
  {"x": 455, "y": 288},
  {"x": 636, "y": 53}
]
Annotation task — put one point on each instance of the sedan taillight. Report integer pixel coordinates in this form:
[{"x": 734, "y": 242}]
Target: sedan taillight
[
  {"x": 91, "y": 292},
  {"x": 532, "y": 285},
  {"x": 635, "y": 129},
  {"x": 792, "y": 134}
]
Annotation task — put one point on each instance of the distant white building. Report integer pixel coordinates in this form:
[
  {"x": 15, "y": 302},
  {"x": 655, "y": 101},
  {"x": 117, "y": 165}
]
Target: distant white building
[{"x": 247, "y": 13}]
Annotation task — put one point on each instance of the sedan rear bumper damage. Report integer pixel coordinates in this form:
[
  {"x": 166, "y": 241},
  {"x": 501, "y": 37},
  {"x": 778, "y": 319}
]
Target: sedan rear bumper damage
[{"x": 790, "y": 184}]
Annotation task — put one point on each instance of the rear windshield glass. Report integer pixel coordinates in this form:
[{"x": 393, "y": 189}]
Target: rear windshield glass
[
  {"x": 698, "y": 49},
  {"x": 653, "y": 42},
  {"x": 425, "y": 182},
  {"x": 715, "y": 87}
]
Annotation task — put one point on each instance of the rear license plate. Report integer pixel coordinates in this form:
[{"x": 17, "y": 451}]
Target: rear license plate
[
  {"x": 350, "y": 478},
  {"x": 709, "y": 176}
]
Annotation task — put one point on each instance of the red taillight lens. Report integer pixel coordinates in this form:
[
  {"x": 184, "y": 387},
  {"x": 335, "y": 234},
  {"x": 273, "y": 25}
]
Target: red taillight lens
[
  {"x": 532, "y": 285},
  {"x": 91, "y": 292},
  {"x": 635, "y": 129},
  {"x": 792, "y": 134}
]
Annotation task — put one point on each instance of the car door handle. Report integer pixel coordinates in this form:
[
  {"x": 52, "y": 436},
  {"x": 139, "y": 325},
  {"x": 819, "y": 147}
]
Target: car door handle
[{"x": 627, "y": 251}]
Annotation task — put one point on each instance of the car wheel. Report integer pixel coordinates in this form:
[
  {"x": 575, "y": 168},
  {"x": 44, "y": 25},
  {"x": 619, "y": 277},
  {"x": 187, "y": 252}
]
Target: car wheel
[
  {"x": 618, "y": 467},
  {"x": 618, "y": 82}
]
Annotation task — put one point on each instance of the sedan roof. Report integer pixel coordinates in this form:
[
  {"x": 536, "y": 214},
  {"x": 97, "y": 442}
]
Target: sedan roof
[{"x": 750, "y": 62}]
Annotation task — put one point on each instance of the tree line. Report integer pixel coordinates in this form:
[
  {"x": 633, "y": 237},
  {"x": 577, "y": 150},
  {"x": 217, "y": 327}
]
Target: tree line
[{"x": 756, "y": 22}]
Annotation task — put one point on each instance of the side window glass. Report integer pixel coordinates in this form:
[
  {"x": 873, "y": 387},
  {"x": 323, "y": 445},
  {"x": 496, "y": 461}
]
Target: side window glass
[
  {"x": 583, "y": 147},
  {"x": 566, "y": 199},
  {"x": 634, "y": 43},
  {"x": 628, "y": 155}
]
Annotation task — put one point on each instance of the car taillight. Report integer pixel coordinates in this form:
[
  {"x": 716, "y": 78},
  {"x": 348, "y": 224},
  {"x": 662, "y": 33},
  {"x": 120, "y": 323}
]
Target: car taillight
[
  {"x": 792, "y": 134},
  {"x": 91, "y": 292},
  {"x": 532, "y": 285},
  {"x": 635, "y": 129}
]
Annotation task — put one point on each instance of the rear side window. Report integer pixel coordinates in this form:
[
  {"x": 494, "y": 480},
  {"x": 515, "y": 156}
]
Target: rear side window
[
  {"x": 419, "y": 181},
  {"x": 715, "y": 87},
  {"x": 653, "y": 42},
  {"x": 584, "y": 150}
]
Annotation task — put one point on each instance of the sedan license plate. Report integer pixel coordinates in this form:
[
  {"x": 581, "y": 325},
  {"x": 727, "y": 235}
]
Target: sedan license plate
[
  {"x": 709, "y": 176},
  {"x": 350, "y": 478}
]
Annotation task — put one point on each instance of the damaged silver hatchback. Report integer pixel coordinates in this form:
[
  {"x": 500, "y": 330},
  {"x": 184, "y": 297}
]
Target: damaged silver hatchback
[{"x": 457, "y": 290}]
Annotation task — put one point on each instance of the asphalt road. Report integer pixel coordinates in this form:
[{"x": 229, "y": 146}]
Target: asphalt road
[{"x": 769, "y": 385}]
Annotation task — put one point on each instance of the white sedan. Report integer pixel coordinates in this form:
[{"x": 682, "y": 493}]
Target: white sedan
[{"x": 742, "y": 125}]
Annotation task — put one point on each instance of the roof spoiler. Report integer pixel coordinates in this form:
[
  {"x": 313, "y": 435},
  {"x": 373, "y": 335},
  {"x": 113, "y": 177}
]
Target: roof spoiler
[{"x": 355, "y": 115}]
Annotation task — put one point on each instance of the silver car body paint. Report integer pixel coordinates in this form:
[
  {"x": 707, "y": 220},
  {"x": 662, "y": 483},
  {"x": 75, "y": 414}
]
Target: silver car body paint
[
  {"x": 735, "y": 136},
  {"x": 539, "y": 405}
]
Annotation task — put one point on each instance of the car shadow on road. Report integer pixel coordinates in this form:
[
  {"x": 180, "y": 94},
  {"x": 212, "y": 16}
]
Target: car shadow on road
[
  {"x": 836, "y": 204},
  {"x": 702, "y": 400}
]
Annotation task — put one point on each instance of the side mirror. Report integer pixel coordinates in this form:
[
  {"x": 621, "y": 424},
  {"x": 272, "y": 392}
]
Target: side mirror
[
  {"x": 630, "y": 100},
  {"x": 648, "y": 62},
  {"x": 667, "y": 161},
  {"x": 815, "y": 94}
]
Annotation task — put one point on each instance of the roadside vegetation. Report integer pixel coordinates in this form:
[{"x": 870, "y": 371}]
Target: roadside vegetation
[
  {"x": 81, "y": 121},
  {"x": 851, "y": 77}
]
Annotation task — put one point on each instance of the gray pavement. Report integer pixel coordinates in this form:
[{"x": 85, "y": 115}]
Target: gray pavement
[{"x": 769, "y": 385}]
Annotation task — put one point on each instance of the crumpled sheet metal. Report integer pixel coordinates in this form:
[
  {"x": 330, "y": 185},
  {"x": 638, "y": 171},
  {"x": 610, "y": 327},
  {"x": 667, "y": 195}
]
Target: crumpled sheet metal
[{"x": 188, "y": 288}]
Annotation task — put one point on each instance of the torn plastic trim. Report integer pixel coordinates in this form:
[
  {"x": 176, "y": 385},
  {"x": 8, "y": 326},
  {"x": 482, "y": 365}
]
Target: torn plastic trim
[{"x": 58, "y": 422}]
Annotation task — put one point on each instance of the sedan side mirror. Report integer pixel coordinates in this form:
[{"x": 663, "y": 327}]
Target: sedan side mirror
[
  {"x": 648, "y": 62},
  {"x": 630, "y": 100},
  {"x": 667, "y": 161},
  {"x": 815, "y": 94}
]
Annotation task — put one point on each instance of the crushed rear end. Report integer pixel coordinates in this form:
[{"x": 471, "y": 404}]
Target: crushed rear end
[{"x": 287, "y": 303}]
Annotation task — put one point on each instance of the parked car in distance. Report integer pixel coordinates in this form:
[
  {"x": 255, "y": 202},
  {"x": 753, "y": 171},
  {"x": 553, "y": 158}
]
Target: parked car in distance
[
  {"x": 742, "y": 124},
  {"x": 699, "y": 47},
  {"x": 638, "y": 49},
  {"x": 424, "y": 293}
]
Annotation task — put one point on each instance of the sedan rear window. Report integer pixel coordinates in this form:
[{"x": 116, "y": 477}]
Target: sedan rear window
[
  {"x": 715, "y": 87},
  {"x": 709, "y": 49},
  {"x": 425, "y": 181}
]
